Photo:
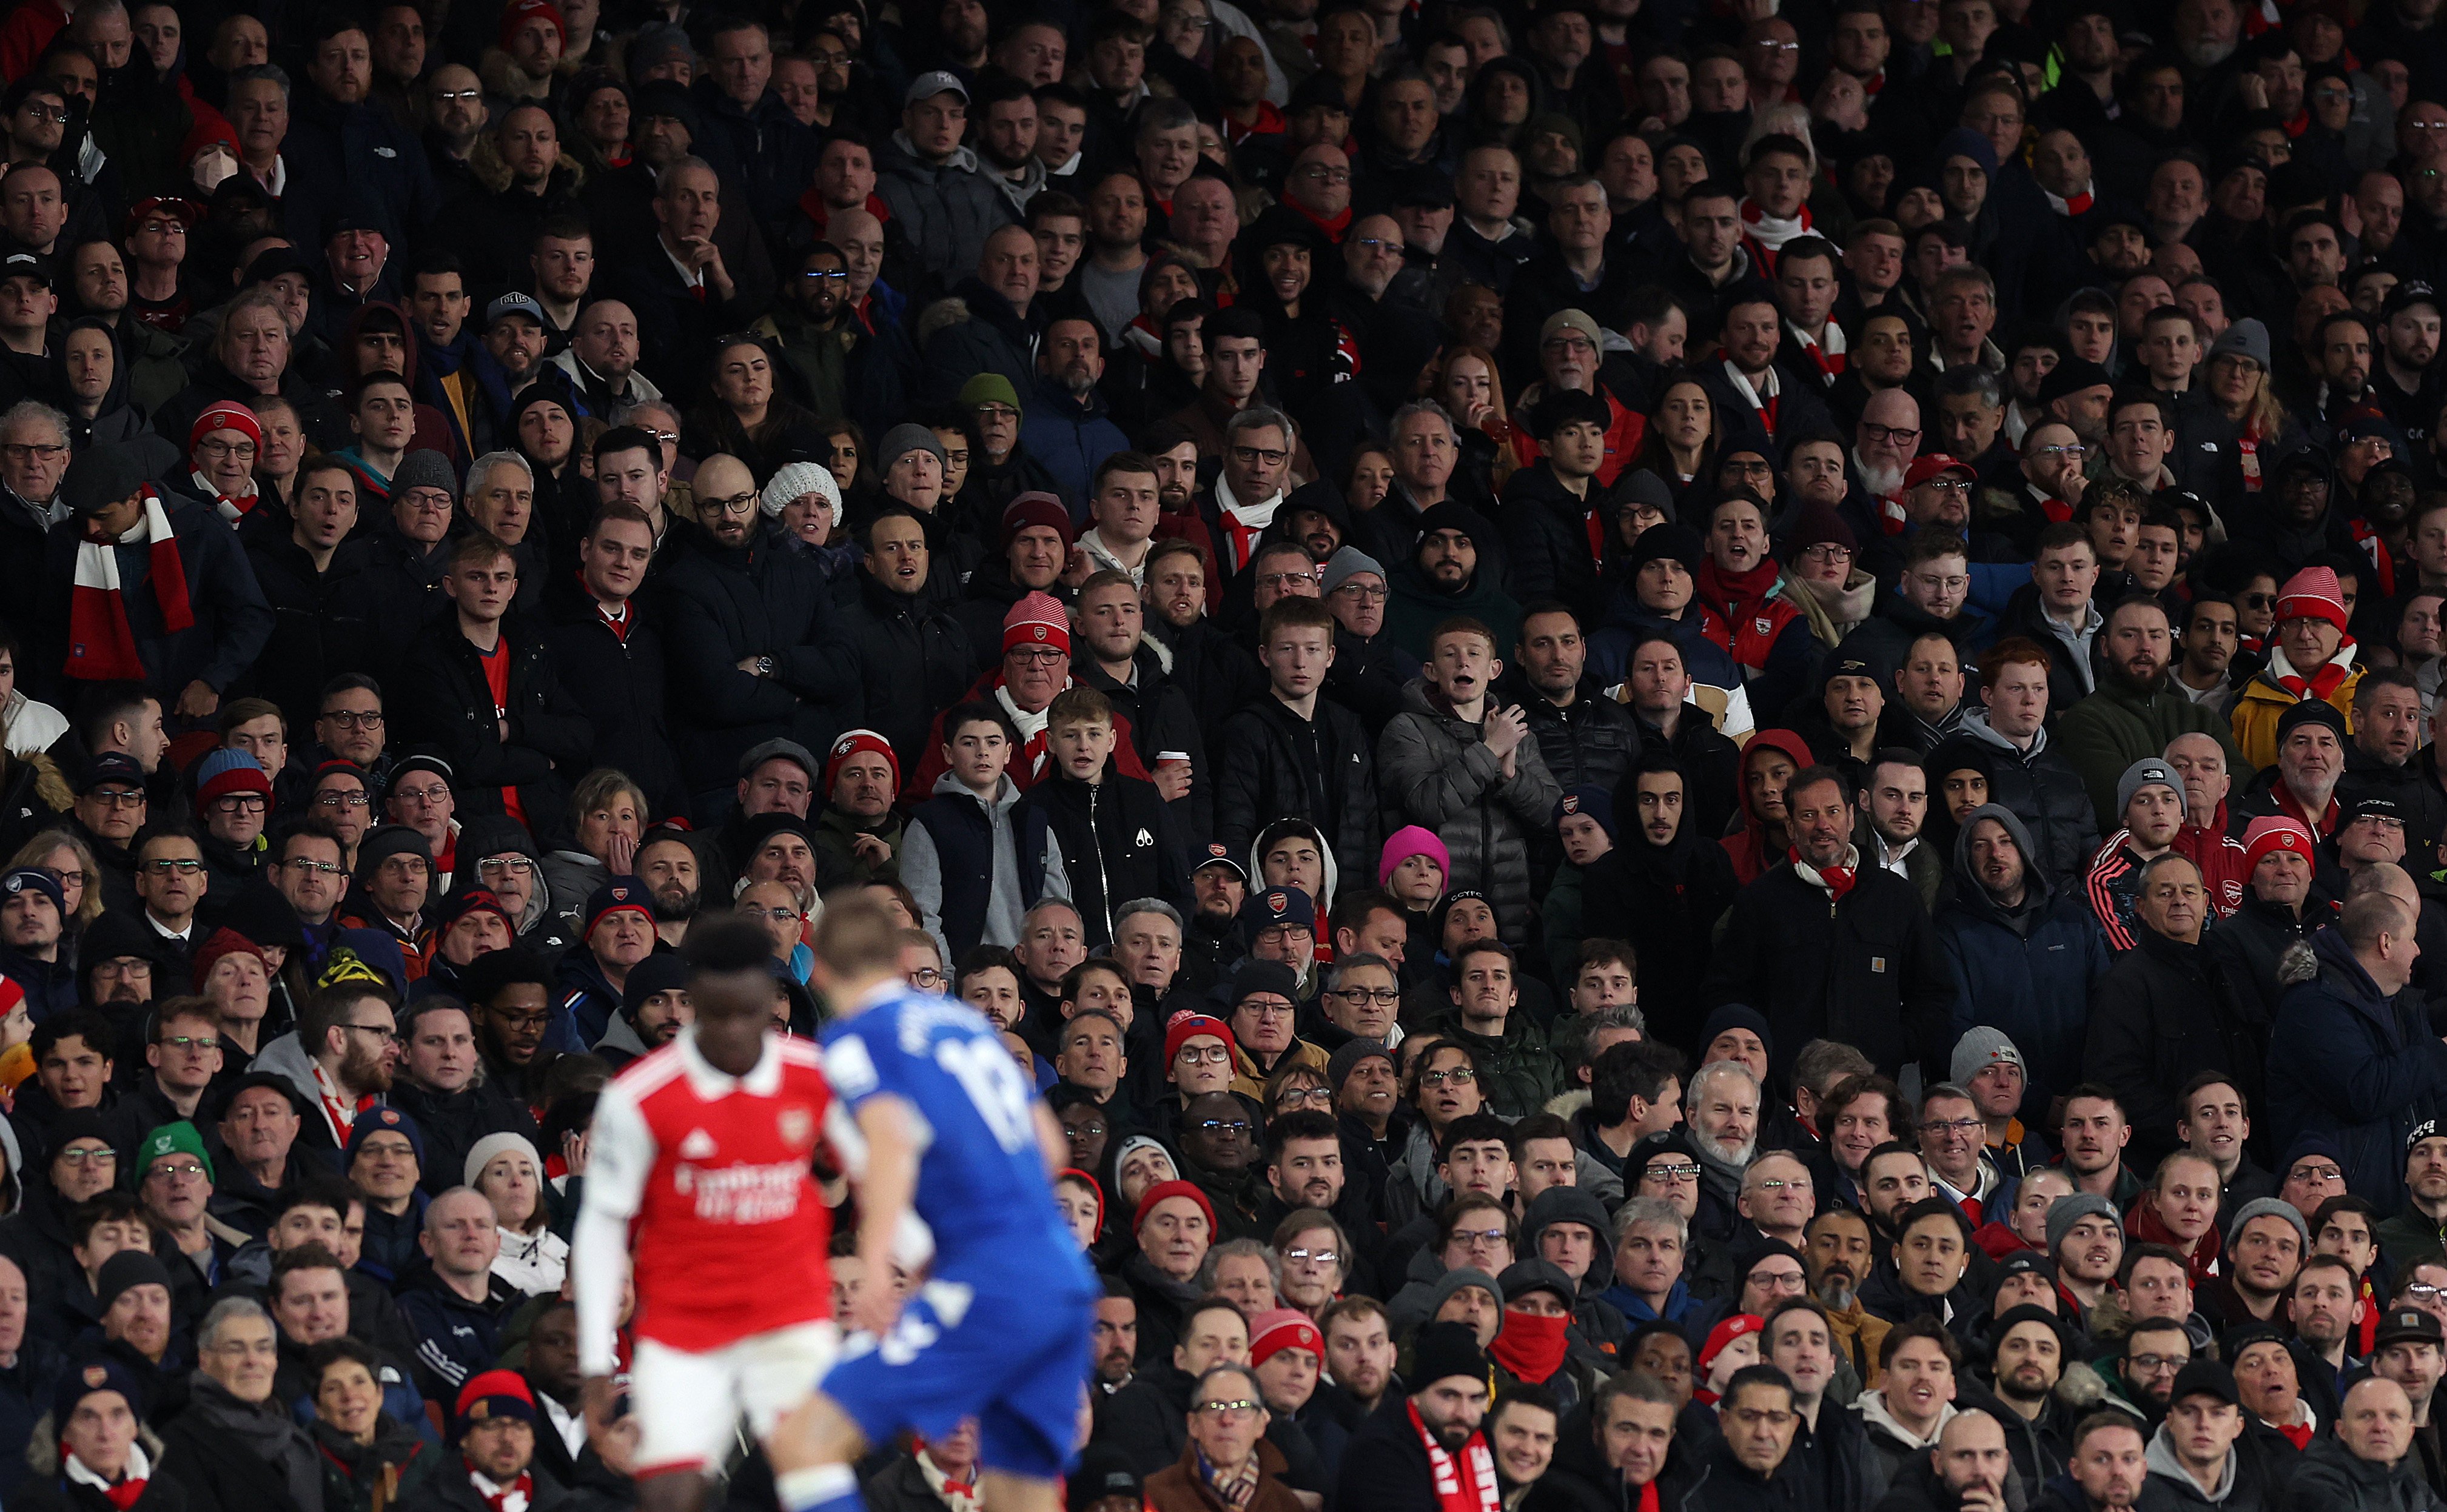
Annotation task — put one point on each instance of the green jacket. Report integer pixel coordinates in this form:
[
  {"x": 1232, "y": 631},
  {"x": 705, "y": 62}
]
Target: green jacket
[
  {"x": 2114, "y": 727},
  {"x": 837, "y": 864},
  {"x": 1519, "y": 1073}
]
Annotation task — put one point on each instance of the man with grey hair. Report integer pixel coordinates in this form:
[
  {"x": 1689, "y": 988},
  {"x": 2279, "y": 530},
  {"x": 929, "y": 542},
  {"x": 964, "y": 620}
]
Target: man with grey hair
[
  {"x": 33, "y": 458},
  {"x": 232, "y": 1430},
  {"x": 1722, "y": 1103},
  {"x": 1651, "y": 1240},
  {"x": 1251, "y": 486}
]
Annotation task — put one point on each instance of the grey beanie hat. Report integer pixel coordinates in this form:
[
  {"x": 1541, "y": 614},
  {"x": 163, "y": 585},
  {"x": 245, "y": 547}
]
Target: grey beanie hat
[
  {"x": 1348, "y": 561},
  {"x": 2149, "y": 772},
  {"x": 1976, "y": 1049},
  {"x": 2245, "y": 338},
  {"x": 2066, "y": 1211},
  {"x": 1459, "y": 1277},
  {"x": 2268, "y": 1207},
  {"x": 904, "y": 437},
  {"x": 425, "y": 469}
]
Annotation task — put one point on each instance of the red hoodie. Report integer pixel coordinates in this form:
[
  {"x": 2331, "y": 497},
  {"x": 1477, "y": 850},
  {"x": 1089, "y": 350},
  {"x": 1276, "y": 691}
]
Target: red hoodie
[{"x": 1748, "y": 845}]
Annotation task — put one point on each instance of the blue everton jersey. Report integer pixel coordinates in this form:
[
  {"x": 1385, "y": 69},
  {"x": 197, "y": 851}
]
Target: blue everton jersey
[{"x": 981, "y": 1186}]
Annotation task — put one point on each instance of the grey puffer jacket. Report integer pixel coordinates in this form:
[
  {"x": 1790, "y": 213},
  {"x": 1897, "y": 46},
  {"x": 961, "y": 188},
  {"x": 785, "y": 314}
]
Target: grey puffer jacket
[{"x": 1434, "y": 770}]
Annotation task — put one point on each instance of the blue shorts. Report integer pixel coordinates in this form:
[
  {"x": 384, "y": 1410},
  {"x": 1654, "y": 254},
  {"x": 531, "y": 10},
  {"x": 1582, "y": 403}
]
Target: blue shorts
[{"x": 1018, "y": 1371}]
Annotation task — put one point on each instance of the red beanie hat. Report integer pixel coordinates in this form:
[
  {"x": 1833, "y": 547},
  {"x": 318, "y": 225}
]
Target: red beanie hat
[
  {"x": 1037, "y": 619},
  {"x": 1036, "y": 508},
  {"x": 1175, "y": 1188},
  {"x": 2274, "y": 832},
  {"x": 224, "y": 417},
  {"x": 1282, "y": 1329},
  {"x": 1183, "y": 1027},
  {"x": 517, "y": 12},
  {"x": 225, "y": 941},
  {"x": 849, "y": 745},
  {"x": 1723, "y": 1334},
  {"x": 2312, "y": 594}
]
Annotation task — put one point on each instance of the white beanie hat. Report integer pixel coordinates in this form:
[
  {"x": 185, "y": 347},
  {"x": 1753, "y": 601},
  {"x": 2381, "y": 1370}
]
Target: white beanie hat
[
  {"x": 798, "y": 478},
  {"x": 493, "y": 1148}
]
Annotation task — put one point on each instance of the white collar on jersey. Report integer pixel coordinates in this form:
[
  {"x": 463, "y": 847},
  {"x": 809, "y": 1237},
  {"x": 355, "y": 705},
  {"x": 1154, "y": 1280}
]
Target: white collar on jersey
[{"x": 709, "y": 1081}]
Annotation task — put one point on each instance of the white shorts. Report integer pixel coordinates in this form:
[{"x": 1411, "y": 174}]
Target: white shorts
[{"x": 688, "y": 1407}]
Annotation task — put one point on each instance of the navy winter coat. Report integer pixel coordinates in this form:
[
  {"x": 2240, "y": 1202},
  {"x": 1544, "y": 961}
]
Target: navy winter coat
[{"x": 2356, "y": 1067}]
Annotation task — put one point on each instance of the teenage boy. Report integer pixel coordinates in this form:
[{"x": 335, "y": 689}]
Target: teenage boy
[
  {"x": 1294, "y": 754},
  {"x": 1115, "y": 832},
  {"x": 974, "y": 872}
]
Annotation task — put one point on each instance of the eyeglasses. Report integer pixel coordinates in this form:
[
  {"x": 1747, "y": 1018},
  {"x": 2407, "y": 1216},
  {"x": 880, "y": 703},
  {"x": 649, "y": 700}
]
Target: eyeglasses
[
  {"x": 1458, "y": 1076},
  {"x": 2153, "y": 1364},
  {"x": 1827, "y": 554},
  {"x": 924, "y": 976},
  {"x": 1676, "y": 1171},
  {"x": 1226, "y": 1409},
  {"x": 21, "y": 451},
  {"x": 995, "y": 412},
  {"x": 1379, "y": 244},
  {"x": 57, "y": 117},
  {"x": 448, "y": 96},
  {"x": 1325, "y": 175},
  {"x": 125, "y": 965},
  {"x": 1385, "y": 996},
  {"x": 1753, "y": 468},
  {"x": 520, "y": 1020},
  {"x": 1949, "y": 485},
  {"x": 226, "y": 449},
  {"x": 1777, "y": 1185},
  {"x": 317, "y": 868},
  {"x": 1292, "y": 1097},
  {"x": 72, "y": 879},
  {"x": 1885, "y": 435},
  {"x": 735, "y": 504},
  {"x": 337, "y": 800},
  {"x": 824, "y": 275},
  {"x": 779, "y": 916},
  {"x": 1034, "y": 655},
  {"x": 1271, "y": 456},
  {"x": 1223, "y": 1125},
  {"x": 198, "y": 1044},
  {"x": 1363, "y": 593},
  {"x": 174, "y": 866},
  {"x": 504, "y": 866},
  {"x": 90, "y": 1157},
  {"x": 1213, "y": 1055},
  {"x": 1317, "y": 1256},
  {"x": 1478, "y": 1236},
  {"x": 1092, "y": 1130},
  {"x": 348, "y": 719},
  {"x": 2074, "y": 453},
  {"x": 1779, "y": 1280},
  {"x": 1957, "y": 1125},
  {"x": 2315, "y": 1172},
  {"x": 1285, "y": 579},
  {"x": 242, "y": 802},
  {"x": 380, "y": 1031},
  {"x": 1266, "y": 1010},
  {"x": 186, "y": 1171}
]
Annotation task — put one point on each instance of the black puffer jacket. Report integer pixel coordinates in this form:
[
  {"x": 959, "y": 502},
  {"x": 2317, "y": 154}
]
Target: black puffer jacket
[
  {"x": 1161, "y": 719},
  {"x": 1118, "y": 843},
  {"x": 1591, "y": 741},
  {"x": 722, "y": 604},
  {"x": 2045, "y": 791},
  {"x": 1271, "y": 765}
]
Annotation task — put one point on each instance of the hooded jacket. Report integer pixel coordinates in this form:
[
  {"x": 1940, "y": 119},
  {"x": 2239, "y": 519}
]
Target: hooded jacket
[
  {"x": 1414, "y": 606},
  {"x": 946, "y": 211},
  {"x": 2044, "y": 788},
  {"x": 1664, "y": 901},
  {"x": 2331, "y": 1476},
  {"x": 2027, "y": 970},
  {"x": 2352, "y": 1065},
  {"x": 1436, "y": 771},
  {"x": 1748, "y": 846}
]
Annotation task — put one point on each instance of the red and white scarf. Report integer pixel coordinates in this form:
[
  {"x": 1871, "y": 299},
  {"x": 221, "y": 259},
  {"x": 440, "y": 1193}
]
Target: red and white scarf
[
  {"x": 515, "y": 1497},
  {"x": 102, "y": 642},
  {"x": 231, "y": 507},
  {"x": 2072, "y": 205},
  {"x": 1760, "y": 398},
  {"x": 1772, "y": 232},
  {"x": 1834, "y": 881},
  {"x": 1467, "y": 1484},
  {"x": 122, "y": 1493},
  {"x": 2322, "y": 682},
  {"x": 1827, "y": 352},
  {"x": 1243, "y": 524}
]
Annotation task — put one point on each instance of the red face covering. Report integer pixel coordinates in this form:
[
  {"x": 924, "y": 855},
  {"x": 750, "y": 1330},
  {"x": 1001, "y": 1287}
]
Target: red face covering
[{"x": 1531, "y": 1348}]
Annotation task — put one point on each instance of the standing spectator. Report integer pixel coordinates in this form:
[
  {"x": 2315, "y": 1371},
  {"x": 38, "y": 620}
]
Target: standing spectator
[
  {"x": 1454, "y": 762},
  {"x": 2024, "y": 957}
]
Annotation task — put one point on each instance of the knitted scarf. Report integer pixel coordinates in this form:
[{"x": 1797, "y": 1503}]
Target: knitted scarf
[
  {"x": 1733, "y": 595},
  {"x": 231, "y": 507},
  {"x": 1467, "y": 1484},
  {"x": 1836, "y": 880},
  {"x": 102, "y": 642},
  {"x": 1530, "y": 1346},
  {"x": 2320, "y": 683},
  {"x": 1772, "y": 232}
]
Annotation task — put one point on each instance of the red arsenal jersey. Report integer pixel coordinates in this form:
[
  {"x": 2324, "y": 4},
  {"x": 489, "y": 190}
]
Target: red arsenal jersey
[{"x": 714, "y": 1175}]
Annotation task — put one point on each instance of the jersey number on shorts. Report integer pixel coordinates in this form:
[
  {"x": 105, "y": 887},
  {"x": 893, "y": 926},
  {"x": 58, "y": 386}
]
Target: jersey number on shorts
[{"x": 985, "y": 1072}]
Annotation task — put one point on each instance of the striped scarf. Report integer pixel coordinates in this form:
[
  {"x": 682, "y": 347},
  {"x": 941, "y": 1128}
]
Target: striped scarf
[{"x": 102, "y": 641}]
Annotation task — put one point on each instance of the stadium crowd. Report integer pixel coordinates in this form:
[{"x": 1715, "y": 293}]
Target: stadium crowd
[{"x": 1698, "y": 745}]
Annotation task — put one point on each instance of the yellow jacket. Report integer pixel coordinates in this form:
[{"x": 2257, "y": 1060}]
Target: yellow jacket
[{"x": 2263, "y": 703}]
